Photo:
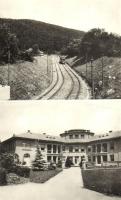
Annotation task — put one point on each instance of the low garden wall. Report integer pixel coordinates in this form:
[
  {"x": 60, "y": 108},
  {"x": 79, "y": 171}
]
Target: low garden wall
[
  {"x": 43, "y": 176},
  {"x": 103, "y": 180}
]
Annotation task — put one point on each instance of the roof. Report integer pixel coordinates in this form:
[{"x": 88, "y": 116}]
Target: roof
[
  {"x": 77, "y": 131},
  {"x": 49, "y": 138},
  {"x": 38, "y": 136},
  {"x": 107, "y": 136}
]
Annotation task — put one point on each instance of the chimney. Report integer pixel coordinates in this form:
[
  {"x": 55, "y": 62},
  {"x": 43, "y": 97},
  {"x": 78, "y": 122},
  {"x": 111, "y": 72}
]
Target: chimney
[
  {"x": 29, "y": 132},
  {"x": 110, "y": 131}
]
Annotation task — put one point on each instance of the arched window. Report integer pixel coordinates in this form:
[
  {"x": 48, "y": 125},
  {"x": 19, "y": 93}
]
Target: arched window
[{"x": 26, "y": 155}]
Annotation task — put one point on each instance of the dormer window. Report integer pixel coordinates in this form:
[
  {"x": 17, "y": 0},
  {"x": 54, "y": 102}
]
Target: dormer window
[
  {"x": 76, "y": 136},
  {"x": 71, "y": 136}
]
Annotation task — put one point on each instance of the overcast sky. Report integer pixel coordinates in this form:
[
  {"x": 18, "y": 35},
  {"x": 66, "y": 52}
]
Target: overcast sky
[
  {"x": 54, "y": 117},
  {"x": 77, "y": 14}
]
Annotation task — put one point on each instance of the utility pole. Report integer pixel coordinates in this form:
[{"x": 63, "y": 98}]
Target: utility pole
[
  {"x": 8, "y": 67},
  {"x": 102, "y": 71},
  {"x": 47, "y": 63},
  {"x": 92, "y": 78},
  {"x": 86, "y": 64}
]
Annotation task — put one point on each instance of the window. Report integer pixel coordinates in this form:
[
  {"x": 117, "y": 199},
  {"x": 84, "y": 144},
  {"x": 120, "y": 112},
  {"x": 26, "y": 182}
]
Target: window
[
  {"x": 89, "y": 158},
  {"x": 54, "y": 148},
  {"x": 76, "y": 149},
  {"x": 82, "y": 150},
  {"x": 98, "y": 148},
  {"x": 104, "y": 147},
  {"x": 59, "y": 149},
  {"x": 93, "y": 148},
  {"x": 49, "y": 148},
  {"x": 112, "y": 157},
  {"x": 64, "y": 148},
  {"x": 105, "y": 158},
  {"x": 70, "y": 149},
  {"x": 48, "y": 158},
  {"x": 42, "y": 148},
  {"x": 93, "y": 158},
  {"x": 26, "y": 155},
  {"x": 89, "y": 149},
  {"x": 112, "y": 146},
  {"x": 82, "y": 136},
  {"x": 54, "y": 159},
  {"x": 99, "y": 159},
  {"x": 71, "y": 136},
  {"x": 76, "y": 136}
]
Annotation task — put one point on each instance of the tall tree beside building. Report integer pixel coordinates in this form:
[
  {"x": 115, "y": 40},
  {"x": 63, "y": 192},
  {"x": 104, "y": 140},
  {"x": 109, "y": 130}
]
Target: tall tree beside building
[{"x": 38, "y": 163}]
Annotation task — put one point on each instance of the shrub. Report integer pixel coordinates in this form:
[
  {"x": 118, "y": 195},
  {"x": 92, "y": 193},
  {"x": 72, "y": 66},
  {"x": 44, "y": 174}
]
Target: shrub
[
  {"x": 23, "y": 171},
  {"x": 3, "y": 177},
  {"x": 52, "y": 166},
  {"x": 68, "y": 162},
  {"x": 59, "y": 164},
  {"x": 39, "y": 163},
  {"x": 12, "y": 178}
]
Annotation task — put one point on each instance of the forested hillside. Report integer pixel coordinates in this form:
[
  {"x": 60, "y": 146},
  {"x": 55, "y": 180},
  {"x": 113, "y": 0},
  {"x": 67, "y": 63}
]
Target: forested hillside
[{"x": 48, "y": 37}]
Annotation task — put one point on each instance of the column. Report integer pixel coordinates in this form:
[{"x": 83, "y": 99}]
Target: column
[
  {"x": 51, "y": 158},
  {"x": 96, "y": 160},
  {"x": 57, "y": 149},
  {"x": 51, "y": 148},
  {"x": 101, "y": 159}
]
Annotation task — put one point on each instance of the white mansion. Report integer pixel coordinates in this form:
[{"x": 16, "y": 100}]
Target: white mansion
[{"x": 73, "y": 143}]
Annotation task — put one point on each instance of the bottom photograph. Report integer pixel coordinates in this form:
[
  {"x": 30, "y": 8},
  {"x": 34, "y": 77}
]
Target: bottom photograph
[{"x": 60, "y": 150}]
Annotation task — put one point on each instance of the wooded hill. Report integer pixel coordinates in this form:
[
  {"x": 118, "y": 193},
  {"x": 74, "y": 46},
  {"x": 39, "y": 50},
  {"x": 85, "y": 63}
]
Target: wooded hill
[{"x": 49, "y": 37}]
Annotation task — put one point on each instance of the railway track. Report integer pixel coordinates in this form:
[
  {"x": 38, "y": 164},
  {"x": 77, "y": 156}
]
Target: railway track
[{"x": 66, "y": 84}]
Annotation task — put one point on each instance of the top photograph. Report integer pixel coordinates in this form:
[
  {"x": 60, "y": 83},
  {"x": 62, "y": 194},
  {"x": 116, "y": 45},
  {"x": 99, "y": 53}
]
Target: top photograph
[{"x": 60, "y": 50}]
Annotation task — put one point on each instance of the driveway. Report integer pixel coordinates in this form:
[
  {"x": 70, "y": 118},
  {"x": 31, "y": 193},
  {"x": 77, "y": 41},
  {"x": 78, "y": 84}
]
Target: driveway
[{"x": 65, "y": 186}]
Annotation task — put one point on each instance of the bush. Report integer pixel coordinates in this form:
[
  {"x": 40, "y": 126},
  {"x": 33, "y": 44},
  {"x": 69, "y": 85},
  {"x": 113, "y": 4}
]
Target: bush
[
  {"x": 52, "y": 166},
  {"x": 22, "y": 171},
  {"x": 68, "y": 162},
  {"x": 3, "y": 177},
  {"x": 59, "y": 164},
  {"x": 13, "y": 179}
]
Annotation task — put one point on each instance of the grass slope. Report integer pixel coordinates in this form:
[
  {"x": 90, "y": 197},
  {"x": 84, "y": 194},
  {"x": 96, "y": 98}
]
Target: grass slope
[
  {"x": 112, "y": 76},
  {"x": 27, "y": 79}
]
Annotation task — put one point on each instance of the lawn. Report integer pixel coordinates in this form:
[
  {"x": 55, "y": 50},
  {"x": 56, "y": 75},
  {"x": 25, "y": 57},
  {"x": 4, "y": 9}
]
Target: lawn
[
  {"x": 43, "y": 176},
  {"x": 26, "y": 78}
]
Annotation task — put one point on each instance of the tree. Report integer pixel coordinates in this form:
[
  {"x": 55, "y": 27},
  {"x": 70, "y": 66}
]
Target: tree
[
  {"x": 8, "y": 44},
  {"x": 68, "y": 162},
  {"x": 97, "y": 43},
  {"x": 7, "y": 161},
  {"x": 36, "y": 50},
  {"x": 38, "y": 163}
]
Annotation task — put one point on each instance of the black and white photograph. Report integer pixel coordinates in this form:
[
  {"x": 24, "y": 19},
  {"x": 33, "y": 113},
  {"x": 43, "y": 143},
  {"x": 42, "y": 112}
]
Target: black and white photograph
[
  {"x": 71, "y": 151},
  {"x": 60, "y": 49}
]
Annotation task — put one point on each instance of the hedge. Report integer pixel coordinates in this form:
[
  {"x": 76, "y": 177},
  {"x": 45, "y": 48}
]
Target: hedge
[{"x": 3, "y": 177}]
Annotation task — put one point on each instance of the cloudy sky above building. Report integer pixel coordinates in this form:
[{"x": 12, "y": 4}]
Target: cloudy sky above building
[
  {"x": 77, "y": 14},
  {"x": 54, "y": 117}
]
